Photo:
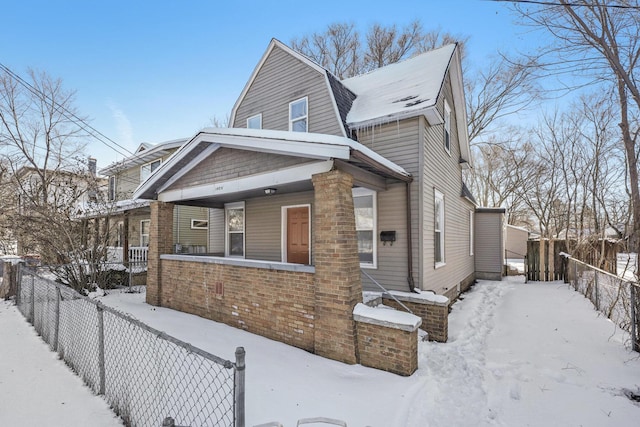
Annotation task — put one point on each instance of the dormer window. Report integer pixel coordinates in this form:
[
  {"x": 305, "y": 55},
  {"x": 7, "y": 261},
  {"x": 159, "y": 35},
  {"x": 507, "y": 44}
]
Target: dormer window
[
  {"x": 255, "y": 122},
  {"x": 447, "y": 127},
  {"x": 147, "y": 169},
  {"x": 298, "y": 115}
]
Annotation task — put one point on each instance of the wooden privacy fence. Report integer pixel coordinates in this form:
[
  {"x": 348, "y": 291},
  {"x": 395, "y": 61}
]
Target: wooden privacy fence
[{"x": 544, "y": 262}]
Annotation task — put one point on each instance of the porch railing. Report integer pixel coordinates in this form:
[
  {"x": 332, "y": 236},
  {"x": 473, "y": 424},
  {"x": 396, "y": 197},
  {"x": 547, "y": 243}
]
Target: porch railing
[{"x": 136, "y": 254}]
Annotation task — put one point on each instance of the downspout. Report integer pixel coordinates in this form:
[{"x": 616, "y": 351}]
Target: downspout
[{"x": 412, "y": 285}]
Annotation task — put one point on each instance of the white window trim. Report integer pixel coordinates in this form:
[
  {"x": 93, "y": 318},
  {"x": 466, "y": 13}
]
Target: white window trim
[
  {"x": 199, "y": 227},
  {"x": 283, "y": 227},
  {"x": 228, "y": 206},
  {"x": 141, "y": 228},
  {"x": 150, "y": 171},
  {"x": 447, "y": 127},
  {"x": 259, "y": 116},
  {"x": 359, "y": 191},
  {"x": 471, "y": 233},
  {"x": 305, "y": 117},
  {"x": 440, "y": 196}
]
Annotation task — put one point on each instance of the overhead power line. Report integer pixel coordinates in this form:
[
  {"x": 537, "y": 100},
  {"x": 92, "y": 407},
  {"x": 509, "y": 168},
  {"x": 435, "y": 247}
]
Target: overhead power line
[
  {"x": 552, "y": 3},
  {"x": 69, "y": 115}
]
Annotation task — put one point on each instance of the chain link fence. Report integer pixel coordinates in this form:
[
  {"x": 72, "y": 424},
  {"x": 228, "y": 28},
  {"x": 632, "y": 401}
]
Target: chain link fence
[
  {"x": 148, "y": 377},
  {"x": 616, "y": 297}
]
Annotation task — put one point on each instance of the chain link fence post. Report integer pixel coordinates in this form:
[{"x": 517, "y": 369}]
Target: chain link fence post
[
  {"x": 33, "y": 300},
  {"x": 56, "y": 320},
  {"x": 101, "y": 386},
  {"x": 239, "y": 387},
  {"x": 635, "y": 345}
]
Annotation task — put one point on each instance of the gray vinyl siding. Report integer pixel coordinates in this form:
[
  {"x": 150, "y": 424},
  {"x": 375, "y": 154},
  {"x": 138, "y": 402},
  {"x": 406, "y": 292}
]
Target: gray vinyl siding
[
  {"x": 216, "y": 232},
  {"x": 281, "y": 80},
  {"x": 489, "y": 244},
  {"x": 442, "y": 172},
  {"x": 128, "y": 180},
  {"x": 183, "y": 234},
  {"x": 263, "y": 224},
  {"x": 226, "y": 163},
  {"x": 398, "y": 142}
]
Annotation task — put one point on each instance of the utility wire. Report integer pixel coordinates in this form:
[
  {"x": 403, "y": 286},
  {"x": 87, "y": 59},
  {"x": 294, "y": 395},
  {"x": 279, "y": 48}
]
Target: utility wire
[
  {"x": 81, "y": 123},
  {"x": 550, "y": 3}
]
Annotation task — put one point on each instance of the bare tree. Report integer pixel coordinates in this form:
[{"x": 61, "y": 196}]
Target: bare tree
[
  {"x": 601, "y": 44},
  {"x": 46, "y": 181}
]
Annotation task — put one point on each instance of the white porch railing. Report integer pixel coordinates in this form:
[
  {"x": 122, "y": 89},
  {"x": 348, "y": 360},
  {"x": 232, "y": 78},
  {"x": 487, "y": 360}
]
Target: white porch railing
[{"x": 136, "y": 254}]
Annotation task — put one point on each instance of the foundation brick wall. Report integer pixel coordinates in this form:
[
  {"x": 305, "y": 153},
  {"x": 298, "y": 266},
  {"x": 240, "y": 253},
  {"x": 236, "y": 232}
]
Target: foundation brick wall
[
  {"x": 388, "y": 349},
  {"x": 435, "y": 316},
  {"x": 273, "y": 303}
]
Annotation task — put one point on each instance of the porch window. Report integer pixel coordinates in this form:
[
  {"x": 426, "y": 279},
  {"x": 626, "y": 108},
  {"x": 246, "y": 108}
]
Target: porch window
[
  {"x": 112, "y": 188},
  {"x": 364, "y": 204},
  {"x": 439, "y": 228},
  {"x": 255, "y": 122},
  {"x": 145, "y": 225},
  {"x": 447, "y": 127},
  {"x": 298, "y": 115},
  {"x": 234, "y": 214},
  {"x": 199, "y": 224},
  {"x": 147, "y": 169}
]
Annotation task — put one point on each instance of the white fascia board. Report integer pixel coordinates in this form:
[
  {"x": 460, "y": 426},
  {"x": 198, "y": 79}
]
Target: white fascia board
[
  {"x": 270, "y": 179},
  {"x": 394, "y": 117},
  {"x": 283, "y": 147}
]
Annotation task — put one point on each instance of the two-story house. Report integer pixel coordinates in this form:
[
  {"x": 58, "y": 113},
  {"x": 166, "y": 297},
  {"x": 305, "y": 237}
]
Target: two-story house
[
  {"x": 130, "y": 219},
  {"x": 320, "y": 188}
]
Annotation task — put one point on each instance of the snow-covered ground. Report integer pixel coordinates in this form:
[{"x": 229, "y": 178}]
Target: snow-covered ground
[
  {"x": 38, "y": 389},
  {"x": 518, "y": 355}
]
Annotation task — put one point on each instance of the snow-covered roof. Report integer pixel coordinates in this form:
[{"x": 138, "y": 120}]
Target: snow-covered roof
[
  {"x": 399, "y": 90},
  {"x": 145, "y": 153}
]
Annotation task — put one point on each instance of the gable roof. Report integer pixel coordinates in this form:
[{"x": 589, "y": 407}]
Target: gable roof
[
  {"x": 341, "y": 97},
  {"x": 145, "y": 153},
  {"x": 299, "y": 144}
]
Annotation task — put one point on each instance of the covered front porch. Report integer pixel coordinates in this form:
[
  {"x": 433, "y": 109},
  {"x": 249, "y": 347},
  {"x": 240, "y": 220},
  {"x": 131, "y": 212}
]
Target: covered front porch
[{"x": 284, "y": 256}]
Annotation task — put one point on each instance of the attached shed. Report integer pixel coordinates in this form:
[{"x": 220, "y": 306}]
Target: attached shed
[{"x": 489, "y": 243}]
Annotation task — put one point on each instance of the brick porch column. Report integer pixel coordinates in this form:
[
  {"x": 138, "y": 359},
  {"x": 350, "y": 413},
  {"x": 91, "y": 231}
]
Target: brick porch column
[
  {"x": 337, "y": 282},
  {"x": 160, "y": 242}
]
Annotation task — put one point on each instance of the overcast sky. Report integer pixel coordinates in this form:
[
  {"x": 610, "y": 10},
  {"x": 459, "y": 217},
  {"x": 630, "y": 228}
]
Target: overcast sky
[{"x": 151, "y": 71}]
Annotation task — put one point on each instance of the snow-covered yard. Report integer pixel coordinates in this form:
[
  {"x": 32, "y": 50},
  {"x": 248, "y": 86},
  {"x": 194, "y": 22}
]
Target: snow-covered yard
[{"x": 518, "y": 354}]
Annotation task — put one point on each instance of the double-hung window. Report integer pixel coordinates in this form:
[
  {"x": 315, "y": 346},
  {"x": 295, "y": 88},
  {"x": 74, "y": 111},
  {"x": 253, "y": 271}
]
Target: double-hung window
[
  {"x": 145, "y": 226},
  {"x": 447, "y": 127},
  {"x": 438, "y": 238},
  {"x": 147, "y": 169},
  {"x": 234, "y": 214},
  {"x": 255, "y": 122},
  {"x": 364, "y": 204},
  {"x": 299, "y": 115}
]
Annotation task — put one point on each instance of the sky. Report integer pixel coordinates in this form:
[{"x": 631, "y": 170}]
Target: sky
[
  {"x": 572, "y": 368},
  {"x": 155, "y": 71}
]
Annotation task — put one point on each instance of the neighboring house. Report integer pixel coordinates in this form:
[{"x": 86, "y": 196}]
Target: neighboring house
[
  {"x": 31, "y": 194},
  {"x": 320, "y": 188},
  {"x": 130, "y": 219}
]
